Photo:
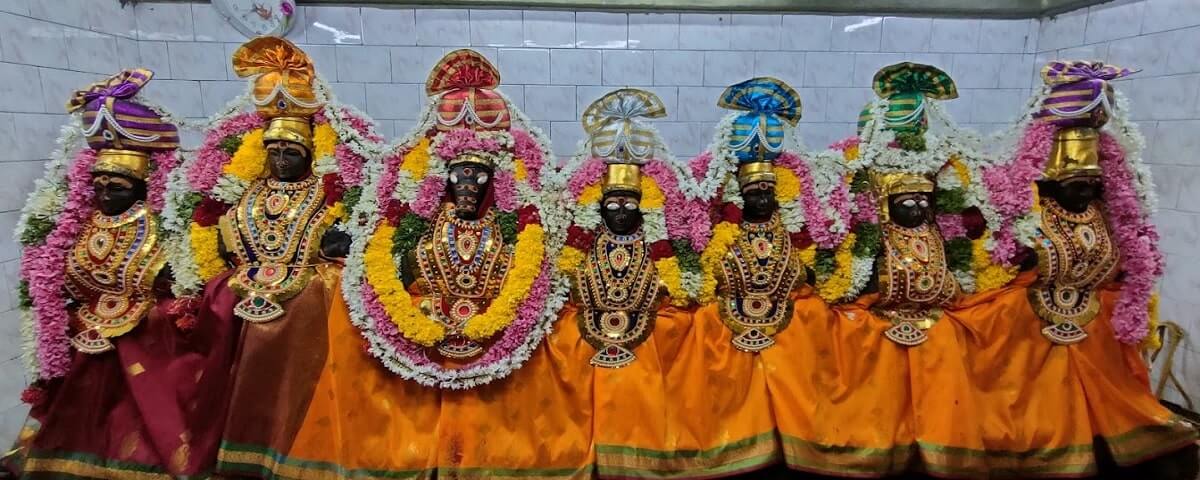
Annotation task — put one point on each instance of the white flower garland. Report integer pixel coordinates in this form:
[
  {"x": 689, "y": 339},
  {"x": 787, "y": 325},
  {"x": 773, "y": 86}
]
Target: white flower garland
[{"x": 722, "y": 164}]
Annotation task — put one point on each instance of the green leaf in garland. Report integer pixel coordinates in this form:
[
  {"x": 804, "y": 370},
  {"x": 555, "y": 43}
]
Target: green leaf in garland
[
  {"x": 861, "y": 181},
  {"x": 911, "y": 141},
  {"x": 689, "y": 260},
  {"x": 351, "y": 198},
  {"x": 36, "y": 230},
  {"x": 866, "y": 240},
  {"x": 953, "y": 200},
  {"x": 507, "y": 221},
  {"x": 408, "y": 234},
  {"x": 23, "y": 298},
  {"x": 230, "y": 144},
  {"x": 958, "y": 254},
  {"x": 823, "y": 263}
]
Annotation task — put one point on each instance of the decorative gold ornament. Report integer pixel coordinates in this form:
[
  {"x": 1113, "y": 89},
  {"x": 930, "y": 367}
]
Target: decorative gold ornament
[
  {"x": 290, "y": 129},
  {"x": 755, "y": 288},
  {"x": 1075, "y": 152},
  {"x": 753, "y": 172},
  {"x": 617, "y": 288},
  {"x": 623, "y": 177},
  {"x": 130, "y": 163},
  {"x": 1076, "y": 255},
  {"x": 914, "y": 282}
]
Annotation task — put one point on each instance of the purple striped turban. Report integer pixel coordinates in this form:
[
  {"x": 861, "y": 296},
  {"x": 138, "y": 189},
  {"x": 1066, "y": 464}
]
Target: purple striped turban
[
  {"x": 112, "y": 119},
  {"x": 1080, "y": 95}
]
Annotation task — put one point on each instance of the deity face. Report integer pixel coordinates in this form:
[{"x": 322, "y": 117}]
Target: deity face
[
  {"x": 113, "y": 194},
  {"x": 288, "y": 161},
  {"x": 468, "y": 183},
  {"x": 758, "y": 201},
  {"x": 910, "y": 209},
  {"x": 1074, "y": 194},
  {"x": 621, "y": 212}
]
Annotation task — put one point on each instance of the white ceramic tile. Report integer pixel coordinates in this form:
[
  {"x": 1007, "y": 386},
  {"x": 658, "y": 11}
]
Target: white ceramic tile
[
  {"x": 1003, "y": 36},
  {"x": 627, "y": 67},
  {"x": 601, "y": 30},
  {"x": 412, "y": 64},
  {"x": 944, "y": 61},
  {"x": 698, "y": 104},
  {"x": 210, "y": 26},
  {"x": 857, "y": 34},
  {"x": 960, "y": 108},
  {"x": 1065, "y": 30},
  {"x": 585, "y": 95},
  {"x": 20, "y": 177},
  {"x": 844, "y": 104},
  {"x": 1176, "y": 142},
  {"x": 654, "y": 30},
  {"x": 1109, "y": 21},
  {"x": 806, "y": 32},
  {"x": 553, "y": 103},
  {"x": 1168, "y": 183},
  {"x": 1097, "y": 52},
  {"x": 685, "y": 139},
  {"x": 1035, "y": 32},
  {"x": 21, "y": 90},
  {"x": 545, "y": 28},
  {"x": 820, "y": 136},
  {"x": 575, "y": 67},
  {"x": 1180, "y": 232},
  {"x": 1014, "y": 69},
  {"x": 182, "y": 97},
  {"x": 363, "y": 64},
  {"x": 497, "y": 28},
  {"x": 37, "y": 133},
  {"x": 786, "y": 66},
  {"x": 333, "y": 25},
  {"x": 216, "y": 94},
  {"x": 67, "y": 12},
  {"x": 394, "y": 100},
  {"x": 1189, "y": 194},
  {"x": 827, "y": 69},
  {"x": 1163, "y": 15},
  {"x": 127, "y": 52},
  {"x": 727, "y": 68},
  {"x": 32, "y": 42},
  {"x": 1149, "y": 53},
  {"x": 1163, "y": 98},
  {"x": 164, "y": 21},
  {"x": 110, "y": 17},
  {"x": 755, "y": 32},
  {"x": 565, "y": 137},
  {"x": 156, "y": 57},
  {"x": 297, "y": 33},
  {"x": 197, "y": 61},
  {"x": 977, "y": 70},
  {"x": 9, "y": 143},
  {"x": 389, "y": 26},
  {"x": 997, "y": 105},
  {"x": 59, "y": 85},
  {"x": 437, "y": 27},
  {"x": 351, "y": 93},
  {"x": 20, "y": 7},
  {"x": 525, "y": 65},
  {"x": 867, "y": 64},
  {"x": 814, "y": 103},
  {"x": 704, "y": 31},
  {"x": 1182, "y": 54},
  {"x": 93, "y": 52},
  {"x": 669, "y": 95},
  {"x": 324, "y": 58},
  {"x": 678, "y": 67},
  {"x": 954, "y": 35},
  {"x": 8, "y": 246},
  {"x": 906, "y": 34}
]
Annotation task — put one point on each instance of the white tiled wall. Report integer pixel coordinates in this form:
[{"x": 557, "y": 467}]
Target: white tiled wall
[{"x": 554, "y": 63}]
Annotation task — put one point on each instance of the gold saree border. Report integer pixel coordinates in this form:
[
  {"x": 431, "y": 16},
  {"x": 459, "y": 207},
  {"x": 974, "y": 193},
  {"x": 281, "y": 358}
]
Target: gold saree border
[
  {"x": 45, "y": 464},
  {"x": 1144, "y": 443},
  {"x": 242, "y": 459},
  {"x": 616, "y": 461}
]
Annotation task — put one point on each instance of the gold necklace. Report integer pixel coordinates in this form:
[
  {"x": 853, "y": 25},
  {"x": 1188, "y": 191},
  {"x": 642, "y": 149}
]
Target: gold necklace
[{"x": 618, "y": 290}]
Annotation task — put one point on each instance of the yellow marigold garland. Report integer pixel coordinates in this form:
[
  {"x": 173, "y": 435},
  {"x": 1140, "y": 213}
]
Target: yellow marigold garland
[
  {"x": 1152, "y": 341},
  {"x": 381, "y": 274},
  {"x": 569, "y": 259},
  {"x": 723, "y": 236},
  {"x": 205, "y": 251},
  {"x": 416, "y": 160},
  {"x": 249, "y": 160},
  {"x": 809, "y": 255},
  {"x": 324, "y": 141},
  {"x": 590, "y": 195},
  {"x": 960, "y": 170},
  {"x": 652, "y": 196},
  {"x": 787, "y": 186},
  {"x": 519, "y": 172},
  {"x": 988, "y": 274},
  {"x": 835, "y": 287},
  {"x": 414, "y": 325},
  {"x": 528, "y": 253},
  {"x": 851, "y": 153},
  {"x": 669, "y": 274}
]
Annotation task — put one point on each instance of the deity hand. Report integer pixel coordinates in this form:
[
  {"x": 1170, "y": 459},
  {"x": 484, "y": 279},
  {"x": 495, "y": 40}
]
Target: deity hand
[
  {"x": 335, "y": 244},
  {"x": 163, "y": 281}
]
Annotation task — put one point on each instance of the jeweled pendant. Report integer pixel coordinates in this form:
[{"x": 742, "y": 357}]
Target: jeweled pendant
[
  {"x": 100, "y": 244},
  {"x": 762, "y": 247},
  {"x": 907, "y": 334},
  {"x": 1065, "y": 333},
  {"x": 277, "y": 203},
  {"x": 257, "y": 309},
  {"x": 613, "y": 356},
  {"x": 752, "y": 340}
]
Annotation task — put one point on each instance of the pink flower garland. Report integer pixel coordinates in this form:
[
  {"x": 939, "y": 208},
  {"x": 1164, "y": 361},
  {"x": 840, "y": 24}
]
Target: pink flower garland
[
  {"x": 686, "y": 219},
  {"x": 429, "y": 196},
  {"x": 1010, "y": 187},
  {"x": 210, "y": 158},
  {"x": 349, "y": 165},
  {"x": 951, "y": 226},
  {"x": 818, "y": 222},
  {"x": 390, "y": 176},
  {"x": 587, "y": 174},
  {"x": 866, "y": 208},
  {"x": 505, "y": 190},
  {"x": 156, "y": 185},
  {"x": 527, "y": 148},
  {"x": 845, "y": 143},
  {"x": 461, "y": 140},
  {"x": 43, "y": 267},
  {"x": 1136, "y": 240}
]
